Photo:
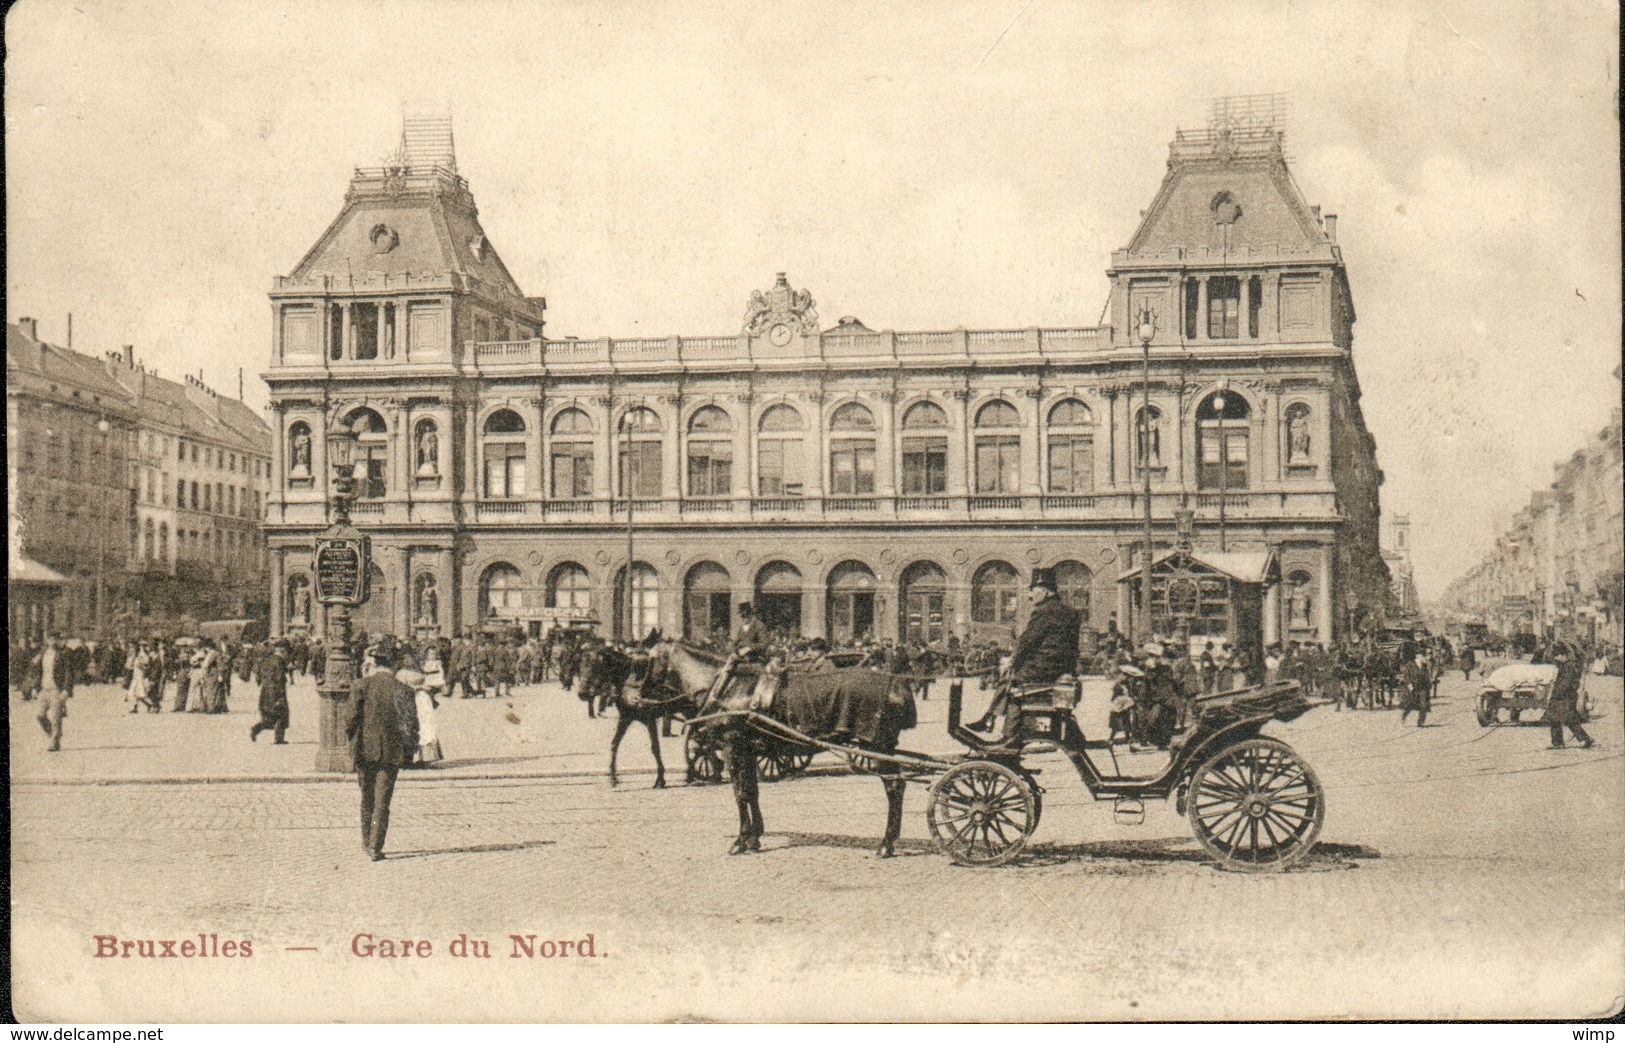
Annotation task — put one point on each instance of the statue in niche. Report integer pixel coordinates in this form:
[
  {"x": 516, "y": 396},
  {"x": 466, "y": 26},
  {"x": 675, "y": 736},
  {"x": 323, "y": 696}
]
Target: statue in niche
[
  {"x": 301, "y": 452},
  {"x": 428, "y": 451},
  {"x": 1297, "y": 428},
  {"x": 301, "y": 605},
  {"x": 428, "y": 607}
]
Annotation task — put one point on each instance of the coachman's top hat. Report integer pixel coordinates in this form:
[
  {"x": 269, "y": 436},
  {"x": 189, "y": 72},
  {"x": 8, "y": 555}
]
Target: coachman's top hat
[{"x": 1043, "y": 578}]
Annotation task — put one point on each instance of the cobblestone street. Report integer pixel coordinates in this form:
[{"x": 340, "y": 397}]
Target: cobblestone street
[{"x": 1462, "y": 871}]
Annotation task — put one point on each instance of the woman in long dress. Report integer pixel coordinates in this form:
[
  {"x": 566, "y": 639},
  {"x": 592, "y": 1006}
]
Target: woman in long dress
[
  {"x": 136, "y": 694},
  {"x": 202, "y": 680},
  {"x": 427, "y": 697}
]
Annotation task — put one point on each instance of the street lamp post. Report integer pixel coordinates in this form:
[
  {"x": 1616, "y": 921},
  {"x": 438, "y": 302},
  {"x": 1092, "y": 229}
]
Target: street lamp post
[
  {"x": 103, "y": 427},
  {"x": 1224, "y": 465},
  {"x": 1147, "y": 329},
  {"x": 342, "y": 566}
]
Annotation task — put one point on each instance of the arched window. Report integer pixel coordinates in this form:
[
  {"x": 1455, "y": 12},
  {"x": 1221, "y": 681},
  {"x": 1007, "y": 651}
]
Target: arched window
[
  {"x": 571, "y": 455},
  {"x": 149, "y": 540},
  {"x": 568, "y": 586},
  {"x": 299, "y": 450},
  {"x": 1071, "y": 448},
  {"x": 645, "y": 602},
  {"x": 850, "y": 604},
  {"x": 1299, "y": 438},
  {"x": 778, "y": 453},
  {"x": 924, "y": 590},
  {"x": 163, "y": 541},
  {"x": 925, "y": 450},
  {"x": 852, "y": 451},
  {"x": 426, "y": 600},
  {"x": 639, "y": 453},
  {"x": 1074, "y": 583},
  {"x": 297, "y": 609},
  {"x": 504, "y": 448},
  {"x": 426, "y": 449},
  {"x": 998, "y": 449},
  {"x": 371, "y": 454},
  {"x": 707, "y": 604},
  {"x": 710, "y": 453},
  {"x": 995, "y": 593},
  {"x": 1221, "y": 441},
  {"x": 501, "y": 591},
  {"x": 1300, "y": 601},
  {"x": 1148, "y": 438},
  {"x": 778, "y": 597}
]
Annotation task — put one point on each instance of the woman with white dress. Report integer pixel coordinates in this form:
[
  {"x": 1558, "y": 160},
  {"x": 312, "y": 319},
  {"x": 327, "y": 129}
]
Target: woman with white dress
[
  {"x": 136, "y": 695},
  {"x": 427, "y": 695}
]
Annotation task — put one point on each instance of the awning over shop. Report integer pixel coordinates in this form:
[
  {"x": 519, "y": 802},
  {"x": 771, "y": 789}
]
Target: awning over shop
[
  {"x": 1243, "y": 566},
  {"x": 27, "y": 570}
]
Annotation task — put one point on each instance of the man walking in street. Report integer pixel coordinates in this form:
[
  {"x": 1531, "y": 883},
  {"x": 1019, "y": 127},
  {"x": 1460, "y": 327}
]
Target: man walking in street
[
  {"x": 383, "y": 733},
  {"x": 272, "y": 670},
  {"x": 1563, "y": 707},
  {"x": 57, "y": 678}
]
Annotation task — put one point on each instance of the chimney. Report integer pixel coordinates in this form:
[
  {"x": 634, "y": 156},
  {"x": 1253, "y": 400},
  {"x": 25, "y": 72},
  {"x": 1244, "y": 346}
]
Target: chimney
[
  {"x": 30, "y": 328},
  {"x": 129, "y": 356},
  {"x": 1331, "y": 227}
]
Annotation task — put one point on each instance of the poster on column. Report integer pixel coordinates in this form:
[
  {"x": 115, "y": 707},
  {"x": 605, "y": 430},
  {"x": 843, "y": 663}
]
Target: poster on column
[{"x": 997, "y": 511}]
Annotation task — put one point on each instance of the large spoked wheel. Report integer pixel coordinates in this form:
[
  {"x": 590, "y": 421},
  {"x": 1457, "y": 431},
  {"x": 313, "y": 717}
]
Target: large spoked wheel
[
  {"x": 704, "y": 758},
  {"x": 771, "y": 767},
  {"x": 981, "y": 813},
  {"x": 1486, "y": 713},
  {"x": 1255, "y": 806}
]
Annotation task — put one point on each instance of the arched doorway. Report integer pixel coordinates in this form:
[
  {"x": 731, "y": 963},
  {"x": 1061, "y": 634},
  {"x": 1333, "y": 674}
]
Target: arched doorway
[
  {"x": 778, "y": 597},
  {"x": 925, "y": 604},
  {"x": 995, "y": 599},
  {"x": 707, "y": 604},
  {"x": 850, "y": 605},
  {"x": 502, "y": 592},
  {"x": 645, "y": 602}
]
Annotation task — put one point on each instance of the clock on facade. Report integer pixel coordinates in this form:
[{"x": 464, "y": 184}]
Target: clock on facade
[{"x": 779, "y": 335}]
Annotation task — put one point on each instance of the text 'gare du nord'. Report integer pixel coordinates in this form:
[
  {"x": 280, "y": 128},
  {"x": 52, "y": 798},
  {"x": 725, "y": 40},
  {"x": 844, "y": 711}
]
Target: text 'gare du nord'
[{"x": 850, "y": 482}]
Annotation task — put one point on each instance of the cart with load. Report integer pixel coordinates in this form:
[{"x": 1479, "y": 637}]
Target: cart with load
[{"x": 1515, "y": 689}]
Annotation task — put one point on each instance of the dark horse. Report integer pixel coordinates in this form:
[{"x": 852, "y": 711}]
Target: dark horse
[
  {"x": 637, "y": 685},
  {"x": 854, "y": 708}
]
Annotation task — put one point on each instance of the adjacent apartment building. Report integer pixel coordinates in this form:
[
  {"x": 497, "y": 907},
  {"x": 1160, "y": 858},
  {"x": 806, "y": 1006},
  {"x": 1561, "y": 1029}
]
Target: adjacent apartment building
[{"x": 140, "y": 495}]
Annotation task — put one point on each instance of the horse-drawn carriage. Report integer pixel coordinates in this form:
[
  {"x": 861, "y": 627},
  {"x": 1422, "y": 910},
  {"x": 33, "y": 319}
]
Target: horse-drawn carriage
[
  {"x": 1252, "y": 802},
  {"x": 1519, "y": 688}
]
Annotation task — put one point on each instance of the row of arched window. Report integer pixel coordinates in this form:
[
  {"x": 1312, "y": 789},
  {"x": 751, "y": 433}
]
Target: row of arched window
[
  {"x": 850, "y": 593},
  {"x": 1223, "y": 433}
]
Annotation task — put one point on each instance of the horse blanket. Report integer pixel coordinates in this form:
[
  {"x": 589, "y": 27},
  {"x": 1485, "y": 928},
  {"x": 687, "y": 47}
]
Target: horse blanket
[{"x": 845, "y": 705}]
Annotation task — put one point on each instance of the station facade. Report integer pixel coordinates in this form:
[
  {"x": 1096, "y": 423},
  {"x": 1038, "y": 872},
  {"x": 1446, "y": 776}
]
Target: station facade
[{"x": 851, "y": 482}]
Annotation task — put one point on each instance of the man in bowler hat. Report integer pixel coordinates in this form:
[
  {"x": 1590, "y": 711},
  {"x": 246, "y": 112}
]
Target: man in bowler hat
[{"x": 382, "y": 727}]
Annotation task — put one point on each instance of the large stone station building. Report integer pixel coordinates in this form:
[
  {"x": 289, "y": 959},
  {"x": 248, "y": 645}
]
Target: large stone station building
[{"x": 850, "y": 481}]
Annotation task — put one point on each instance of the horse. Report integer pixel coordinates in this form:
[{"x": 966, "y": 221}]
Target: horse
[
  {"x": 627, "y": 680},
  {"x": 854, "y": 707}
]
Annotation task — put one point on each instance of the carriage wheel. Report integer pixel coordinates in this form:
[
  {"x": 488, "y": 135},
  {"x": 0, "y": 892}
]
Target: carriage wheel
[
  {"x": 1485, "y": 714},
  {"x": 1038, "y": 799},
  {"x": 982, "y": 813},
  {"x": 704, "y": 758},
  {"x": 1256, "y": 806},
  {"x": 771, "y": 767}
]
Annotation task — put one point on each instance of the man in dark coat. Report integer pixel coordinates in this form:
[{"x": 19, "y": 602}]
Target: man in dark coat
[
  {"x": 272, "y": 671},
  {"x": 383, "y": 731},
  {"x": 1563, "y": 706},
  {"x": 1047, "y": 649}
]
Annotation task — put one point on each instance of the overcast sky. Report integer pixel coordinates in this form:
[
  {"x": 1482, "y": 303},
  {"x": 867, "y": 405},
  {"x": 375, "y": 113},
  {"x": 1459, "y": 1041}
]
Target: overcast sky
[{"x": 919, "y": 165}]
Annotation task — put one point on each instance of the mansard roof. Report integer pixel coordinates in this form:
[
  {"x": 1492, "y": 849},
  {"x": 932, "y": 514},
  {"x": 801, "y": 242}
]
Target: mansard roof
[
  {"x": 405, "y": 220},
  {"x": 1229, "y": 194}
]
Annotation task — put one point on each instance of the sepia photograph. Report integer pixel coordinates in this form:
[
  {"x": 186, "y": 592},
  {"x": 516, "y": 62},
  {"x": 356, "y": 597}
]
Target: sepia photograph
[{"x": 1018, "y": 511}]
